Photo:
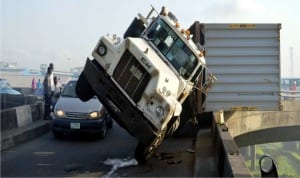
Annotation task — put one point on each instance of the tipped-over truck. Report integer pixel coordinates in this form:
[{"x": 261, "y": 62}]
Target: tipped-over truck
[{"x": 144, "y": 78}]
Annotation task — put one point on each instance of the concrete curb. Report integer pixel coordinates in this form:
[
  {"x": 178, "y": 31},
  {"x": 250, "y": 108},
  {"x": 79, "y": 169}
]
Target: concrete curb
[
  {"x": 205, "y": 163},
  {"x": 14, "y": 137}
]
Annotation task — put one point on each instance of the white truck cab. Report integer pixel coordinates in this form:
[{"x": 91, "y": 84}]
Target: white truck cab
[{"x": 144, "y": 78}]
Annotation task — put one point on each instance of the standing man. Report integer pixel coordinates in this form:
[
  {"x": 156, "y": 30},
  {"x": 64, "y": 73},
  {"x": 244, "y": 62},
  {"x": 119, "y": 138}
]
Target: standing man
[
  {"x": 39, "y": 88},
  {"x": 47, "y": 94},
  {"x": 33, "y": 85},
  {"x": 49, "y": 89},
  {"x": 51, "y": 80},
  {"x": 56, "y": 93}
]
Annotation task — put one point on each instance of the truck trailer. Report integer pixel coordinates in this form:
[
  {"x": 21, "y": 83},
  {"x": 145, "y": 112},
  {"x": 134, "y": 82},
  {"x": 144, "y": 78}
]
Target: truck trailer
[{"x": 246, "y": 60}]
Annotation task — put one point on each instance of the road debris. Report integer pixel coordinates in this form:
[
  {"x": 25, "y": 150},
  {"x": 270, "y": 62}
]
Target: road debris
[
  {"x": 174, "y": 161},
  {"x": 163, "y": 155},
  {"x": 190, "y": 150},
  {"x": 118, "y": 163}
]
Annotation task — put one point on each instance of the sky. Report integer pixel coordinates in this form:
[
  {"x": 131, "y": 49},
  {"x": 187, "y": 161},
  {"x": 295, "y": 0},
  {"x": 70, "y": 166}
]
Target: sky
[{"x": 65, "y": 32}]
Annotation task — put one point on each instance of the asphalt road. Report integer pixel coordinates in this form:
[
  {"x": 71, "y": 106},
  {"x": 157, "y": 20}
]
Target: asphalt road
[{"x": 84, "y": 156}]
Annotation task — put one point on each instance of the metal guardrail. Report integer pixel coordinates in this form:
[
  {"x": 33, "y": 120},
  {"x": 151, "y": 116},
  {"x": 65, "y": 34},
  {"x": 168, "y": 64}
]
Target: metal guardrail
[{"x": 290, "y": 95}]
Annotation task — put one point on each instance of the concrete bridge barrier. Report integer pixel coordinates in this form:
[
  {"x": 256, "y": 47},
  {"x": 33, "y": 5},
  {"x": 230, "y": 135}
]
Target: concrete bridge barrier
[
  {"x": 217, "y": 154},
  {"x": 230, "y": 161},
  {"x": 9, "y": 101},
  {"x": 15, "y": 117},
  {"x": 257, "y": 127},
  {"x": 231, "y": 130},
  {"x": 24, "y": 112}
]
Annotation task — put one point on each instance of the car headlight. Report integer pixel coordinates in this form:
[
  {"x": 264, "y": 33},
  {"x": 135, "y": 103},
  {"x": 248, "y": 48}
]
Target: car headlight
[
  {"x": 160, "y": 111},
  {"x": 60, "y": 113},
  {"x": 102, "y": 50},
  {"x": 94, "y": 115}
]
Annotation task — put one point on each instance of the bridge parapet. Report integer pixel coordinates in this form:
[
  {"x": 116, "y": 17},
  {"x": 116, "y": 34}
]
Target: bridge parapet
[
  {"x": 217, "y": 153},
  {"x": 256, "y": 127},
  {"x": 290, "y": 105},
  {"x": 17, "y": 113},
  {"x": 230, "y": 161}
]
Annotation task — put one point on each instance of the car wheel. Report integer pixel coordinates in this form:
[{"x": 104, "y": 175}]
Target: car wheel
[
  {"x": 83, "y": 89},
  {"x": 104, "y": 130},
  {"x": 139, "y": 153},
  {"x": 109, "y": 122}
]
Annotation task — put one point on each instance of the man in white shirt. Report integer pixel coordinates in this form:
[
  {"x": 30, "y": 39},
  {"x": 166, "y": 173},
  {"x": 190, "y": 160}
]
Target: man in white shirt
[
  {"x": 49, "y": 89},
  {"x": 51, "y": 78}
]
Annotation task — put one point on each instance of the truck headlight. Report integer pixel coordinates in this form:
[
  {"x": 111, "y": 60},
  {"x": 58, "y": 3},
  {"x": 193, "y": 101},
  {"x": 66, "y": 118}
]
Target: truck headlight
[
  {"x": 102, "y": 50},
  {"x": 160, "y": 111},
  {"x": 60, "y": 113}
]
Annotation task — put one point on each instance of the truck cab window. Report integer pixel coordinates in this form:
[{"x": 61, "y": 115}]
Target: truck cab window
[{"x": 173, "y": 48}]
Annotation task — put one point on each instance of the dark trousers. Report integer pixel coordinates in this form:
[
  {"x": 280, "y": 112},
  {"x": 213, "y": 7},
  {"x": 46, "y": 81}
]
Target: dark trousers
[{"x": 47, "y": 106}]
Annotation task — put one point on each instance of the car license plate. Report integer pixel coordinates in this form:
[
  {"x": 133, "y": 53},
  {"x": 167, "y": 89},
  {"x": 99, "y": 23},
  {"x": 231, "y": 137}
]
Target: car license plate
[{"x": 75, "y": 125}]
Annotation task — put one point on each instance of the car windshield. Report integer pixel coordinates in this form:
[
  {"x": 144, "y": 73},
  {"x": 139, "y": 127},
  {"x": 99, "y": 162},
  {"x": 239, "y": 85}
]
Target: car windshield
[
  {"x": 173, "y": 48},
  {"x": 69, "y": 90}
]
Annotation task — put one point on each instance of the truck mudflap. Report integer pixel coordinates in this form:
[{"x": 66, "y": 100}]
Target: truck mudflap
[{"x": 122, "y": 110}]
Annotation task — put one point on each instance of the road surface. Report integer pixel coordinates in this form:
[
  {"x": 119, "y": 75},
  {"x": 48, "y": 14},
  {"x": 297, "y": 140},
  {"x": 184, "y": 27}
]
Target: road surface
[{"x": 83, "y": 157}]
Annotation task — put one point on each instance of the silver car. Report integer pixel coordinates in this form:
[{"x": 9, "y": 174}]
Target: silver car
[{"x": 71, "y": 115}]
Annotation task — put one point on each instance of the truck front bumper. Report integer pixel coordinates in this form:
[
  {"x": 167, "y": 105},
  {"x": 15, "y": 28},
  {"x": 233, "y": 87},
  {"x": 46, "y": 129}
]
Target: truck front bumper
[{"x": 117, "y": 104}]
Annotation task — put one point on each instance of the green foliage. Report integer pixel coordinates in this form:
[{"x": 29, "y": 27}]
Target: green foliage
[
  {"x": 288, "y": 162},
  {"x": 296, "y": 156}
]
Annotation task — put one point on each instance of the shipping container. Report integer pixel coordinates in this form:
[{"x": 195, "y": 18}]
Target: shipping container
[{"x": 245, "y": 58}]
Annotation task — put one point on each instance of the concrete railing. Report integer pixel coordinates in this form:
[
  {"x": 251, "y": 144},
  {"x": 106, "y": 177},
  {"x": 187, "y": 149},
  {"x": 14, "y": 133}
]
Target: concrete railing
[
  {"x": 9, "y": 101},
  {"x": 258, "y": 127},
  {"x": 229, "y": 160},
  {"x": 20, "y": 116},
  {"x": 290, "y": 95},
  {"x": 20, "y": 112}
]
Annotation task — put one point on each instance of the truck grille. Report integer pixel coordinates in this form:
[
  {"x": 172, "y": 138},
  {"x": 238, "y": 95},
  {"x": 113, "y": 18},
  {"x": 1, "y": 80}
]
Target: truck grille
[{"x": 131, "y": 76}]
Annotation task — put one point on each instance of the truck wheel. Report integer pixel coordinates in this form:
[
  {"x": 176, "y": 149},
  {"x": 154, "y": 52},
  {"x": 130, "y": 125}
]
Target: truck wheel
[
  {"x": 83, "y": 89},
  {"x": 139, "y": 153},
  {"x": 110, "y": 122}
]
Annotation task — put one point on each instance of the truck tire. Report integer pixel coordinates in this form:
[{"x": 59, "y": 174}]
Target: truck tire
[
  {"x": 135, "y": 29},
  {"x": 139, "y": 153},
  {"x": 109, "y": 121},
  {"x": 83, "y": 89}
]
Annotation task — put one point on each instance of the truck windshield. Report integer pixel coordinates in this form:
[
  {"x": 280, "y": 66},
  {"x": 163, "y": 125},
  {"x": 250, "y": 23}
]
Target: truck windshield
[{"x": 173, "y": 48}]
